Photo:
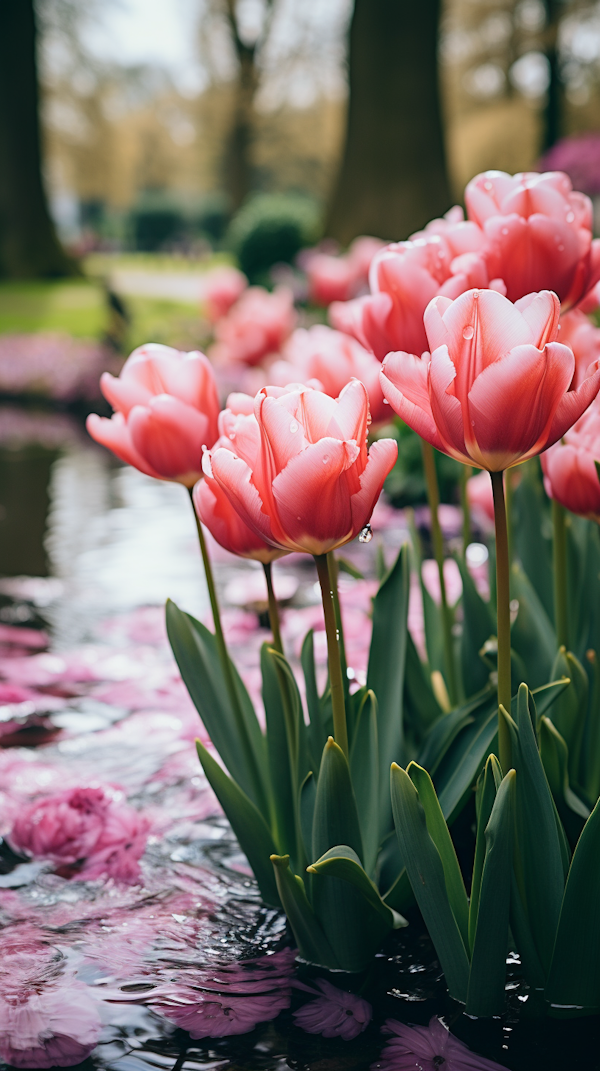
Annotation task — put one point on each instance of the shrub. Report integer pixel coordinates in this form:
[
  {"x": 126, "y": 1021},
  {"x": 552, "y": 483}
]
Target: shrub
[{"x": 270, "y": 229}]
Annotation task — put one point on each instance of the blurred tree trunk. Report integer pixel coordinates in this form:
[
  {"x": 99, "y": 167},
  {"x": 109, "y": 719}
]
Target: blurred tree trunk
[
  {"x": 29, "y": 247},
  {"x": 553, "y": 111},
  {"x": 393, "y": 175},
  {"x": 238, "y": 153}
]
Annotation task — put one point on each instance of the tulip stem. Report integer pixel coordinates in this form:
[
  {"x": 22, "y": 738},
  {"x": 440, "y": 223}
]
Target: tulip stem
[
  {"x": 433, "y": 497},
  {"x": 465, "y": 473},
  {"x": 503, "y": 612},
  {"x": 336, "y": 680},
  {"x": 273, "y": 609},
  {"x": 559, "y": 554}
]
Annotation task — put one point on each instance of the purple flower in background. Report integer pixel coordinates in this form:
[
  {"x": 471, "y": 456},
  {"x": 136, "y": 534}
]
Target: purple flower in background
[
  {"x": 83, "y": 826},
  {"x": 580, "y": 158},
  {"x": 54, "y": 365},
  {"x": 428, "y": 1048},
  {"x": 232, "y": 999},
  {"x": 335, "y": 1013}
]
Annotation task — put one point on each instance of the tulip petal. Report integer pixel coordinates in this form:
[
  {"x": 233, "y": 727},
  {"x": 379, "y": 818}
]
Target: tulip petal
[
  {"x": 114, "y": 434},
  {"x": 226, "y": 526},
  {"x": 284, "y": 433},
  {"x": 381, "y": 460},
  {"x": 572, "y": 405},
  {"x": 541, "y": 312},
  {"x": 446, "y": 409},
  {"x": 352, "y": 414},
  {"x": 512, "y": 403},
  {"x": 123, "y": 393},
  {"x": 403, "y": 379},
  {"x": 572, "y": 479},
  {"x": 170, "y": 435},
  {"x": 313, "y": 494},
  {"x": 234, "y": 477}
]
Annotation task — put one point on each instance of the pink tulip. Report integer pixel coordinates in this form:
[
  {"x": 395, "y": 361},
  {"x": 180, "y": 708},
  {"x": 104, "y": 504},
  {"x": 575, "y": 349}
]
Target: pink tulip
[
  {"x": 256, "y": 326},
  {"x": 221, "y": 289},
  {"x": 312, "y": 486},
  {"x": 341, "y": 278},
  {"x": 480, "y": 495},
  {"x": 166, "y": 406},
  {"x": 328, "y": 360},
  {"x": 570, "y": 472},
  {"x": 538, "y": 233},
  {"x": 335, "y": 1013},
  {"x": 84, "y": 827},
  {"x": 495, "y": 390},
  {"x": 241, "y": 436},
  {"x": 428, "y": 1048},
  {"x": 583, "y": 337},
  {"x": 444, "y": 259}
]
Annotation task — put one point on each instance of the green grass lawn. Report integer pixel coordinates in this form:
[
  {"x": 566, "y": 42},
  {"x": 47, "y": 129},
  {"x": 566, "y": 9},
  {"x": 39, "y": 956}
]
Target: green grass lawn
[{"x": 77, "y": 307}]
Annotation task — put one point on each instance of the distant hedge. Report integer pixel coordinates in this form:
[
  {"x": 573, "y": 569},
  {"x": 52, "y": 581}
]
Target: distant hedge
[{"x": 271, "y": 229}]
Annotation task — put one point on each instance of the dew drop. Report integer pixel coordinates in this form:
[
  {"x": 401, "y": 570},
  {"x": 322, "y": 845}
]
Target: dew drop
[
  {"x": 488, "y": 185},
  {"x": 366, "y": 535},
  {"x": 505, "y": 230},
  {"x": 293, "y": 427},
  {"x": 232, "y": 435},
  {"x": 468, "y": 331},
  {"x": 325, "y": 458},
  {"x": 570, "y": 217},
  {"x": 561, "y": 248}
]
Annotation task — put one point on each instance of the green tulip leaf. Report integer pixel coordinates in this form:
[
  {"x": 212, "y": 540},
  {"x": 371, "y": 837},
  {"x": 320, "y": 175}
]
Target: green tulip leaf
[
  {"x": 385, "y": 673},
  {"x": 478, "y": 626},
  {"x": 555, "y": 759},
  {"x": 310, "y": 938},
  {"x": 486, "y": 994},
  {"x": 241, "y": 746},
  {"x": 341, "y": 862},
  {"x": 253, "y": 834},
  {"x": 439, "y": 833},
  {"x": 575, "y": 972},
  {"x": 426, "y": 874},
  {"x": 487, "y": 787},
  {"x": 364, "y": 769}
]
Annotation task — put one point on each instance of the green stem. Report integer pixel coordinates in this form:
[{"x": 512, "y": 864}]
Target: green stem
[
  {"x": 508, "y": 491},
  {"x": 465, "y": 473},
  {"x": 503, "y": 611},
  {"x": 336, "y": 680},
  {"x": 273, "y": 609},
  {"x": 559, "y": 553},
  {"x": 433, "y": 497},
  {"x": 333, "y": 583}
]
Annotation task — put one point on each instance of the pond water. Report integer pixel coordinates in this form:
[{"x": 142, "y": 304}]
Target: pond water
[{"x": 132, "y": 961}]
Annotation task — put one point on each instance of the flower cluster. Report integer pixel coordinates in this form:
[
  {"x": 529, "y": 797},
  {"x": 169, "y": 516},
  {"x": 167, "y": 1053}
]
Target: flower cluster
[{"x": 84, "y": 831}]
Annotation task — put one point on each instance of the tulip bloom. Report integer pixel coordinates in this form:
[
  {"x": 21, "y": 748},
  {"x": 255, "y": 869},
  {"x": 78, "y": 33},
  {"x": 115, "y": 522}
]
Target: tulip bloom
[
  {"x": 312, "y": 485},
  {"x": 327, "y": 359},
  {"x": 404, "y": 277},
  {"x": 240, "y": 435},
  {"x": 221, "y": 289},
  {"x": 341, "y": 278},
  {"x": 495, "y": 390},
  {"x": 256, "y": 326},
  {"x": 570, "y": 467},
  {"x": 538, "y": 233},
  {"x": 166, "y": 406},
  {"x": 583, "y": 337}
]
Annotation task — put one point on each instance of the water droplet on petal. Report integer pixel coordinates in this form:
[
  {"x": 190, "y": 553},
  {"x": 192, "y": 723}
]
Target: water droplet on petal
[
  {"x": 325, "y": 458},
  {"x": 488, "y": 185},
  {"x": 366, "y": 535},
  {"x": 468, "y": 331},
  {"x": 232, "y": 435},
  {"x": 293, "y": 427},
  {"x": 570, "y": 217},
  {"x": 505, "y": 230},
  {"x": 561, "y": 248}
]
